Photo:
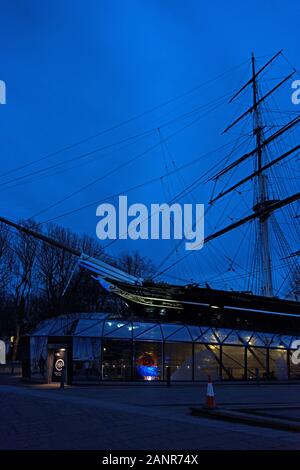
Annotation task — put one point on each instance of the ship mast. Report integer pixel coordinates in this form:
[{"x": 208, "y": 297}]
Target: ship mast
[
  {"x": 262, "y": 200},
  {"x": 263, "y": 205}
]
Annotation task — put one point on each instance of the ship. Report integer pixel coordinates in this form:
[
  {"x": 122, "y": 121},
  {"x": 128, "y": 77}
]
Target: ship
[{"x": 259, "y": 308}]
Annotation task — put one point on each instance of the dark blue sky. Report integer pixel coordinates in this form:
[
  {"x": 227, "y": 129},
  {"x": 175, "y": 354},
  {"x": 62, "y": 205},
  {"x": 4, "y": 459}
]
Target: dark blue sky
[{"x": 74, "y": 68}]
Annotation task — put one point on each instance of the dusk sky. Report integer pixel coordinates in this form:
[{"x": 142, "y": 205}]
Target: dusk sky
[{"x": 74, "y": 69}]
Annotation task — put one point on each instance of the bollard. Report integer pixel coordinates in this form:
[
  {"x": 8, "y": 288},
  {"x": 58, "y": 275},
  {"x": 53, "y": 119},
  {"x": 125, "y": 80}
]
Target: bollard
[{"x": 168, "y": 376}]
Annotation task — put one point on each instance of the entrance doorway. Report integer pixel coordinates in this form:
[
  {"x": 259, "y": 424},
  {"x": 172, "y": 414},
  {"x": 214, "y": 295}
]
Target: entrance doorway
[{"x": 57, "y": 363}]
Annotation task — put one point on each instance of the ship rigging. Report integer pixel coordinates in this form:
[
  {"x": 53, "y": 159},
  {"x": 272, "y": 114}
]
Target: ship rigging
[{"x": 266, "y": 203}]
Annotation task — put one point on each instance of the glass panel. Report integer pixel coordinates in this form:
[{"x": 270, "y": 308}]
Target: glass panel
[
  {"x": 233, "y": 362},
  {"x": 294, "y": 367},
  {"x": 179, "y": 357},
  {"x": 116, "y": 360},
  {"x": 38, "y": 357},
  {"x": 89, "y": 328},
  {"x": 180, "y": 335},
  {"x": 207, "y": 337},
  {"x": 169, "y": 330},
  {"x": 195, "y": 332},
  {"x": 62, "y": 326},
  {"x": 69, "y": 325},
  {"x": 118, "y": 329},
  {"x": 286, "y": 340},
  {"x": 222, "y": 333},
  {"x": 206, "y": 361},
  {"x": 140, "y": 327},
  {"x": 266, "y": 338},
  {"x": 45, "y": 328},
  {"x": 256, "y": 340},
  {"x": 278, "y": 364},
  {"x": 86, "y": 359},
  {"x": 276, "y": 341},
  {"x": 293, "y": 344},
  {"x": 147, "y": 360},
  {"x": 233, "y": 338},
  {"x": 153, "y": 333},
  {"x": 256, "y": 363},
  {"x": 245, "y": 336}
]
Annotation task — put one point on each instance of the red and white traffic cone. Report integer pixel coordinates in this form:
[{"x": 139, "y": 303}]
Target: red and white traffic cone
[{"x": 210, "y": 395}]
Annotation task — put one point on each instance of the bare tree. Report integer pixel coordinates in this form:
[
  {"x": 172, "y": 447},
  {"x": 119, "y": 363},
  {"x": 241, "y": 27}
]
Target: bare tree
[
  {"x": 6, "y": 258},
  {"x": 55, "y": 267},
  {"x": 136, "y": 265},
  {"x": 84, "y": 292},
  {"x": 66, "y": 287},
  {"x": 25, "y": 250},
  {"x": 42, "y": 280}
]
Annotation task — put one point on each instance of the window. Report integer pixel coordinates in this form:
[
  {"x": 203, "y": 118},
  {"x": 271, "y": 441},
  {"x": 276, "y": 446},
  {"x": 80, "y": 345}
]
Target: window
[
  {"x": 278, "y": 364},
  {"x": 38, "y": 357},
  {"x": 147, "y": 360},
  {"x": 256, "y": 360},
  {"x": 116, "y": 360},
  {"x": 179, "y": 357},
  {"x": 86, "y": 359},
  {"x": 233, "y": 362},
  {"x": 206, "y": 362},
  {"x": 294, "y": 368}
]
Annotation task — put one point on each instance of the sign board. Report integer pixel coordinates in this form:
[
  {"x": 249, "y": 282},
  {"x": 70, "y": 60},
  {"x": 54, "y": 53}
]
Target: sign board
[
  {"x": 58, "y": 365},
  {"x": 2, "y": 352}
]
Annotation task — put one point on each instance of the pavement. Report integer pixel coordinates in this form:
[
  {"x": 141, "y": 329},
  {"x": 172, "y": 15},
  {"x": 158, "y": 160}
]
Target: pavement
[{"x": 141, "y": 417}]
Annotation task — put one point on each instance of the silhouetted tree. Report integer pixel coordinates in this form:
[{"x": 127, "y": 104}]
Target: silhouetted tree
[
  {"x": 38, "y": 280},
  {"x": 136, "y": 265},
  {"x": 23, "y": 282},
  {"x": 6, "y": 259}
]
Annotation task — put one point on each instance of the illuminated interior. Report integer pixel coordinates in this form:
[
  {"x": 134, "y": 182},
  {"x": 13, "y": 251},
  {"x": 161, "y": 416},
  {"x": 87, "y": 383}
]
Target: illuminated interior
[{"x": 109, "y": 349}]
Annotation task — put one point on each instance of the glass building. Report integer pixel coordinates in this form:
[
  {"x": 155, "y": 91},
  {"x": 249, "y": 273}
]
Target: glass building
[{"x": 93, "y": 347}]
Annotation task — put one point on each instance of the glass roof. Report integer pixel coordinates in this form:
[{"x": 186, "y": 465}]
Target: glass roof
[
  {"x": 97, "y": 325},
  {"x": 182, "y": 334},
  {"x": 68, "y": 324},
  {"x": 245, "y": 336},
  {"x": 256, "y": 340},
  {"x": 232, "y": 338},
  {"x": 208, "y": 336},
  {"x": 89, "y": 328},
  {"x": 286, "y": 340},
  {"x": 118, "y": 329},
  {"x": 147, "y": 331},
  {"x": 195, "y": 332},
  {"x": 222, "y": 333},
  {"x": 267, "y": 338},
  {"x": 169, "y": 329}
]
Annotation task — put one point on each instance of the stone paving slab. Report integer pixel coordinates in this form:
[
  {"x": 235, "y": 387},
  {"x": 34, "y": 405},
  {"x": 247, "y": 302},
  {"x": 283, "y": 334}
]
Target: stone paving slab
[
  {"x": 245, "y": 416},
  {"x": 41, "y": 418}
]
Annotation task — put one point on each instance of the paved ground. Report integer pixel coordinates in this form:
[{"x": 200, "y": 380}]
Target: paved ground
[{"x": 136, "y": 417}]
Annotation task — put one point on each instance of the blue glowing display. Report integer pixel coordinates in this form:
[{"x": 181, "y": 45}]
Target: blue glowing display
[{"x": 148, "y": 371}]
